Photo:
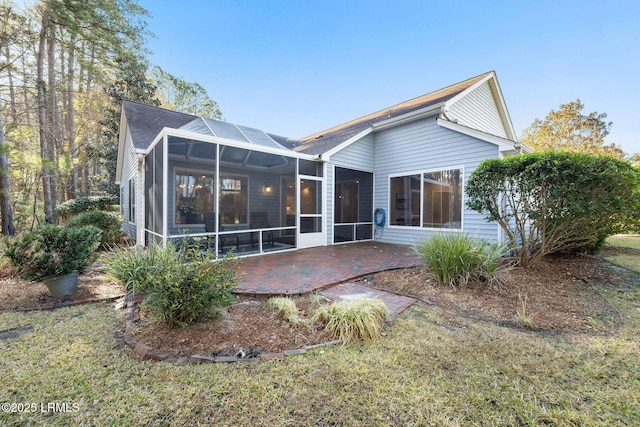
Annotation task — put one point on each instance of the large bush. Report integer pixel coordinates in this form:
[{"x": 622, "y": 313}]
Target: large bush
[
  {"x": 556, "y": 201},
  {"x": 183, "y": 284},
  {"x": 457, "y": 258},
  {"x": 82, "y": 204},
  {"x": 53, "y": 250},
  {"x": 109, "y": 223}
]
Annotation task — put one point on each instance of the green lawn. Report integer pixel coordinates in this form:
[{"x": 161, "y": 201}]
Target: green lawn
[
  {"x": 431, "y": 369},
  {"x": 630, "y": 260}
]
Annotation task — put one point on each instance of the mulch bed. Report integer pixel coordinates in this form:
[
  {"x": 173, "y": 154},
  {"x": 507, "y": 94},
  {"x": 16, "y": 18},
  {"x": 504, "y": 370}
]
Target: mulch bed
[
  {"x": 18, "y": 295},
  {"x": 561, "y": 294}
]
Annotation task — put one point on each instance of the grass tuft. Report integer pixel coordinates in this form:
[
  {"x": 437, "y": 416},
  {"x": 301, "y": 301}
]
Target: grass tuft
[
  {"x": 354, "y": 320},
  {"x": 457, "y": 258},
  {"x": 286, "y": 308}
]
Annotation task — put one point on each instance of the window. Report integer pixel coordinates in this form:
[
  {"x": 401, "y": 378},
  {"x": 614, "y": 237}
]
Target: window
[
  {"x": 194, "y": 196},
  {"x": 430, "y": 199},
  {"x": 132, "y": 200},
  {"x": 233, "y": 199}
]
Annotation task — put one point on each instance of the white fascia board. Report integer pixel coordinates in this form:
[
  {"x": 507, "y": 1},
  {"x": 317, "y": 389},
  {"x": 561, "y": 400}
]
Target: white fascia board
[
  {"x": 345, "y": 144},
  {"x": 502, "y": 143},
  {"x": 122, "y": 139},
  {"x": 502, "y": 106},
  {"x": 409, "y": 117},
  {"x": 225, "y": 141},
  {"x": 422, "y": 113},
  {"x": 471, "y": 88},
  {"x": 498, "y": 97}
]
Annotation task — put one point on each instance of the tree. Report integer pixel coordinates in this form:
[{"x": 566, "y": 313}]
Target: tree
[
  {"x": 556, "y": 201},
  {"x": 567, "y": 129},
  {"x": 6, "y": 212},
  {"x": 175, "y": 93}
]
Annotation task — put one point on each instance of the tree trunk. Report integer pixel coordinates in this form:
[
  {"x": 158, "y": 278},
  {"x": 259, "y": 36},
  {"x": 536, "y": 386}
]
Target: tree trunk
[
  {"x": 5, "y": 190},
  {"x": 12, "y": 90},
  {"x": 52, "y": 116},
  {"x": 71, "y": 132},
  {"x": 42, "y": 122}
]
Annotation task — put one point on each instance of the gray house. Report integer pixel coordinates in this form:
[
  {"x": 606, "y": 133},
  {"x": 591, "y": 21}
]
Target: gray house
[{"x": 395, "y": 175}]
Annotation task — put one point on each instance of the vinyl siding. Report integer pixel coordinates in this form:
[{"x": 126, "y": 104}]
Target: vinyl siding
[
  {"x": 420, "y": 146},
  {"x": 478, "y": 110},
  {"x": 359, "y": 156},
  {"x": 129, "y": 171}
]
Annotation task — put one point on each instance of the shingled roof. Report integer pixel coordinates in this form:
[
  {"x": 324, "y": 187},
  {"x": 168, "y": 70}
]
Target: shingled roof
[
  {"x": 321, "y": 142},
  {"x": 146, "y": 121}
]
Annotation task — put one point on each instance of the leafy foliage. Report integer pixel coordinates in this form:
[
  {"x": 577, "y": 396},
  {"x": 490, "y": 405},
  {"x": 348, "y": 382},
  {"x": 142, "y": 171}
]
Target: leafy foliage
[
  {"x": 457, "y": 258},
  {"x": 138, "y": 268},
  {"x": 183, "y": 283},
  {"x": 83, "y": 204},
  {"x": 108, "y": 223},
  {"x": 52, "y": 250},
  {"x": 567, "y": 129},
  {"x": 556, "y": 201},
  {"x": 353, "y": 320},
  {"x": 175, "y": 93}
]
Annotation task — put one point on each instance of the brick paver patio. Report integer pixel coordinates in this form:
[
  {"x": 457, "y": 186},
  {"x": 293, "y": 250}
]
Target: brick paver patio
[
  {"x": 327, "y": 268},
  {"x": 307, "y": 270}
]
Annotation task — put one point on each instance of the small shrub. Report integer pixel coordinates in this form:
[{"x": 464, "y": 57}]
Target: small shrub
[
  {"x": 53, "y": 250},
  {"x": 138, "y": 268},
  {"x": 353, "y": 320},
  {"x": 286, "y": 309},
  {"x": 457, "y": 258},
  {"x": 82, "y": 204},
  {"x": 108, "y": 222},
  {"x": 183, "y": 284}
]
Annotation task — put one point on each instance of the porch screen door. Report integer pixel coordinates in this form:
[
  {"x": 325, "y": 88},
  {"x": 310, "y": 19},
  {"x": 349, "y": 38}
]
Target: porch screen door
[{"x": 311, "y": 224}]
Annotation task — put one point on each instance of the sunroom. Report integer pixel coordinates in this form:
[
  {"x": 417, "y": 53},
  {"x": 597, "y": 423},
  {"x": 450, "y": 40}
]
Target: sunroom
[{"x": 230, "y": 188}]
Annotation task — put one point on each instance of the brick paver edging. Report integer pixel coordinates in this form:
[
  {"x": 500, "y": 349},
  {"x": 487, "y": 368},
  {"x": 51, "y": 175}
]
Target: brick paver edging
[
  {"x": 145, "y": 352},
  {"x": 62, "y": 304}
]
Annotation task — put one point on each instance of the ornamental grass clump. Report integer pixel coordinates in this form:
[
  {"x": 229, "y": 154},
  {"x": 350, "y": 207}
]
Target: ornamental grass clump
[
  {"x": 138, "y": 268},
  {"x": 457, "y": 258},
  {"x": 286, "y": 309},
  {"x": 353, "y": 320}
]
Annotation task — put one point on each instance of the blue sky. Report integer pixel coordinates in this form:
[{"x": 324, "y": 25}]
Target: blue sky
[{"x": 298, "y": 67}]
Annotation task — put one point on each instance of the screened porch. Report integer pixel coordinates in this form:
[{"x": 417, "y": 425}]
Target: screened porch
[{"x": 225, "y": 196}]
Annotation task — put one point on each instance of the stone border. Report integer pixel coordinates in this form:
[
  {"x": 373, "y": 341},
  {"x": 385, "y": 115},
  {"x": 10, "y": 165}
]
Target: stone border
[
  {"x": 61, "y": 304},
  {"x": 145, "y": 352}
]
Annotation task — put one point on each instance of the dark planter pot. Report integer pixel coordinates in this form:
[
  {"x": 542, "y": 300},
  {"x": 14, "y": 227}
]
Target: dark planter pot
[{"x": 62, "y": 285}]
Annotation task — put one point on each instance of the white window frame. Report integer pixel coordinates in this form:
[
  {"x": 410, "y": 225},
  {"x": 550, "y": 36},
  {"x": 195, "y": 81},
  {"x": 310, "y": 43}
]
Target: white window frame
[{"x": 421, "y": 172}]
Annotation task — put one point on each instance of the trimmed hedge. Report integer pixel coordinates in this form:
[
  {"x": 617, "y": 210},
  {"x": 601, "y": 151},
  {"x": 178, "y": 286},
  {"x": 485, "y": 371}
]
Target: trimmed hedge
[
  {"x": 83, "y": 204},
  {"x": 556, "y": 201}
]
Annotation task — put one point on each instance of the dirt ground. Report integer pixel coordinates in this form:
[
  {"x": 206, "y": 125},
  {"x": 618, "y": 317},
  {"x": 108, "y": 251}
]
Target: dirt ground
[
  {"x": 18, "y": 294},
  {"x": 558, "y": 295}
]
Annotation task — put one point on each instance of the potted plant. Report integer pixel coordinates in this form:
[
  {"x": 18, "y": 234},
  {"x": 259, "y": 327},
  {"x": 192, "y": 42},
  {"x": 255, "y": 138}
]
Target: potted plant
[{"x": 55, "y": 255}]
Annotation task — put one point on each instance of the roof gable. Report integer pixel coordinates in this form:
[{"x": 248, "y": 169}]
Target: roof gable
[{"x": 322, "y": 142}]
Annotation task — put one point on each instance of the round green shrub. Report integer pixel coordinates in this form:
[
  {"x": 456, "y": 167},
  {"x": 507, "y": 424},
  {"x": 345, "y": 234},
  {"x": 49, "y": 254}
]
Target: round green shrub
[
  {"x": 52, "y": 250},
  {"x": 83, "y": 204},
  {"x": 109, "y": 223}
]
